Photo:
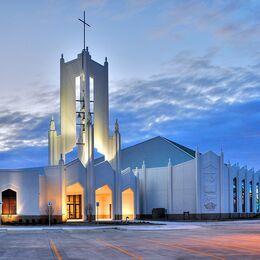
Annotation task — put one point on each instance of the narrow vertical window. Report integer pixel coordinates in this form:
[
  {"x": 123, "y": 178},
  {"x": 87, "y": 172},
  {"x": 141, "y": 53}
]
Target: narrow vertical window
[
  {"x": 91, "y": 95},
  {"x": 251, "y": 196},
  {"x": 79, "y": 115},
  {"x": 257, "y": 197},
  {"x": 77, "y": 93},
  {"x": 235, "y": 194},
  {"x": 243, "y": 196}
]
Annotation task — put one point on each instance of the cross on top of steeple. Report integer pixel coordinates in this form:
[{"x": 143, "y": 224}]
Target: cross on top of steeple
[{"x": 84, "y": 28}]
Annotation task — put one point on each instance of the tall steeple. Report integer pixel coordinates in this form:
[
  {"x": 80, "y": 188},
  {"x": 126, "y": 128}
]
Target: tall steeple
[
  {"x": 116, "y": 126},
  {"x": 53, "y": 144},
  {"x": 52, "y": 124}
]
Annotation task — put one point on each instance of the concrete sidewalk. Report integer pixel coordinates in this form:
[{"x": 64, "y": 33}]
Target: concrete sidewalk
[{"x": 154, "y": 226}]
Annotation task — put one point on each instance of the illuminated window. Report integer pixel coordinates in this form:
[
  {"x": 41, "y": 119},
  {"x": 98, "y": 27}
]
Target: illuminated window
[
  {"x": 91, "y": 89},
  {"x": 257, "y": 198},
  {"x": 243, "y": 196},
  {"x": 77, "y": 93},
  {"x": 128, "y": 204},
  {"x": 91, "y": 96},
  {"x": 235, "y": 194},
  {"x": 9, "y": 202},
  {"x": 104, "y": 203},
  {"x": 251, "y": 196}
]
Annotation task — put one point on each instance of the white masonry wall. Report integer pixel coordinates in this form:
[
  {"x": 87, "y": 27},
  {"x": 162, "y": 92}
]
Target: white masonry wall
[
  {"x": 172, "y": 188},
  {"x": 203, "y": 185},
  {"x": 210, "y": 179},
  {"x": 26, "y": 184},
  {"x": 215, "y": 185},
  {"x": 53, "y": 190},
  {"x": 184, "y": 188}
]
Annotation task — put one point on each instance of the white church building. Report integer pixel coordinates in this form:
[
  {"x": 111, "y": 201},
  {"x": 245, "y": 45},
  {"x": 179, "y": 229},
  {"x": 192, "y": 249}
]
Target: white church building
[{"x": 154, "y": 178}]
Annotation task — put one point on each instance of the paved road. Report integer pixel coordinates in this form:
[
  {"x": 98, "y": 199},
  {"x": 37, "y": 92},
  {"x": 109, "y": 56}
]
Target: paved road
[{"x": 209, "y": 241}]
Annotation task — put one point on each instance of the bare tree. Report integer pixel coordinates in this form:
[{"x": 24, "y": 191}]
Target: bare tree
[
  {"x": 89, "y": 212},
  {"x": 49, "y": 210}
]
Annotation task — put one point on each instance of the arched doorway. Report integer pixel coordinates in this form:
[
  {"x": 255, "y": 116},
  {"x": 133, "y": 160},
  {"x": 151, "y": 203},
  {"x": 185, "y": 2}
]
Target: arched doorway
[
  {"x": 9, "y": 202},
  {"x": 104, "y": 203},
  {"x": 128, "y": 205}
]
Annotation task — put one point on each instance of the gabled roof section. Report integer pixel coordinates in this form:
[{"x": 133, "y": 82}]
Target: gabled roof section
[
  {"x": 182, "y": 147},
  {"x": 99, "y": 160},
  {"x": 155, "y": 152}
]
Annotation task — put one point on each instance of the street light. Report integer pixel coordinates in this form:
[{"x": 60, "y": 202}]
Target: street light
[
  {"x": 49, "y": 211},
  {"x": 97, "y": 209}
]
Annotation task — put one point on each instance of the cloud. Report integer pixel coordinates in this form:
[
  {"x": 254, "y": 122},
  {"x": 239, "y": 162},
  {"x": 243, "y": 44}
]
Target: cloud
[
  {"x": 197, "y": 99},
  {"x": 192, "y": 101},
  {"x": 207, "y": 104},
  {"x": 22, "y": 130},
  {"x": 234, "y": 23},
  {"x": 34, "y": 99},
  {"x": 25, "y": 116},
  {"x": 188, "y": 86}
]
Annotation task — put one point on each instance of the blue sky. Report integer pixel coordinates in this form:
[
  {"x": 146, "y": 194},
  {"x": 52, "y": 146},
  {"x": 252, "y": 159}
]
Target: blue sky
[{"x": 186, "y": 70}]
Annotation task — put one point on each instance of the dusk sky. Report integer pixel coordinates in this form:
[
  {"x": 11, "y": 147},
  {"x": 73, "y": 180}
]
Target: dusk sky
[{"x": 185, "y": 70}]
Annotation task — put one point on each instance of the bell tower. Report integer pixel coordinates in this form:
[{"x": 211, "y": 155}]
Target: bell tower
[
  {"x": 84, "y": 123},
  {"x": 92, "y": 102}
]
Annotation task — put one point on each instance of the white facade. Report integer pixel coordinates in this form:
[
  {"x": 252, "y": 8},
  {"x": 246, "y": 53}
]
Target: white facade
[
  {"x": 202, "y": 187},
  {"x": 130, "y": 182}
]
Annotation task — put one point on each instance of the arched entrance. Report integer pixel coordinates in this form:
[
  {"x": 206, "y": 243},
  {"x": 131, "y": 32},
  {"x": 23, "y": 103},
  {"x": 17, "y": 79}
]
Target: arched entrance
[
  {"x": 9, "y": 202},
  {"x": 104, "y": 203},
  {"x": 128, "y": 205}
]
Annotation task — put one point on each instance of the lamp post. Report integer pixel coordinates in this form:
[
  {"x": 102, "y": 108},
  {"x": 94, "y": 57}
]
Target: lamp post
[
  {"x": 49, "y": 211},
  {"x": 97, "y": 209}
]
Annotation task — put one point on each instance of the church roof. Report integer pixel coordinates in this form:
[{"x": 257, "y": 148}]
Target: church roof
[
  {"x": 155, "y": 152},
  {"x": 182, "y": 147}
]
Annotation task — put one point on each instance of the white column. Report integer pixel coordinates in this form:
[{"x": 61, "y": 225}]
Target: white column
[
  {"x": 198, "y": 182},
  {"x": 90, "y": 205},
  {"x": 118, "y": 192},
  {"x": 63, "y": 189},
  {"x": 247, "y": 180},
  {"x": 222, "y": 194},
  {"x": 52, "y": 144},
  {"x": 254, "y": 191},
  {"x": 144, "y": 189},
  {"x": 239, "y": 188},
  {"x": 230, "y": 189},
  {"x": 169, "y": 188},
  {"x": 137, "y": 193}
]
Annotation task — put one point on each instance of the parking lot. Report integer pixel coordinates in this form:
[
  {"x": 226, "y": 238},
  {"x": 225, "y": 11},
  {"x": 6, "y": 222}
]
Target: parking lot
[{"x": 223, "y": 240}]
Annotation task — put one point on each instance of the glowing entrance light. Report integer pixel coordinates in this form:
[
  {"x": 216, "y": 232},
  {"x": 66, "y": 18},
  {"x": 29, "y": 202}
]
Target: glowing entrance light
[
  {"x": 104, "y": 203},
  {"x": 128, "y": 204}
]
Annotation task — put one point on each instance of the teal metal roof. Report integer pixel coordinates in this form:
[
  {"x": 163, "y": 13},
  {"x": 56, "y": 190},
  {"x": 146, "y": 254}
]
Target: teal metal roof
[
  {"x": 155, "y": 152},
  {"x": 182, "y": 147}
]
